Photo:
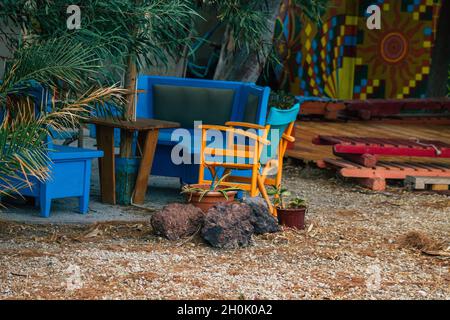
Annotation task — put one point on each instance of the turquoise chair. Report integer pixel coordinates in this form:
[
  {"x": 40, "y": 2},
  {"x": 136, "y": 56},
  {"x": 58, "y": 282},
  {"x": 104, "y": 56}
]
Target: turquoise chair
[{"x": 262, "y": 156}]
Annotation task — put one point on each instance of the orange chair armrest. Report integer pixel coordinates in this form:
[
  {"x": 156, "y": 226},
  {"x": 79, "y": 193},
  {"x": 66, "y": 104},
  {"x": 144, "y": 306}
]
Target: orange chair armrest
[
  {"x": 288, "y": 138},
  {"x": 235, "y": 131},
  {"x": 244, "y": 124}
]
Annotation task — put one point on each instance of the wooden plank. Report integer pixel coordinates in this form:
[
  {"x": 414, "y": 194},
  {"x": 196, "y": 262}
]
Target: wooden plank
[
  {"x": 435, "y": 166},
  {"x": 388, "y": 171},
  {"x": 138, "y": 125},
  {"x": 412, "y": 183},
  {"x": 321, "y": 164},
  {"x": 243, "y": 152},
  {"x": 375, "y": 184},
  {"x": 307, "y": 130},
  {"x": 339, "y": 163},
  {"x": 313, "y": 108},
  {"x": 375, "y": 178},
  {"x": 105, "y": 142},
  {"x": 145, "y": 168},
  {"x": 439, "y": 187},
  {"x": 420, "y": 183},
  {"x": 366, "y": 160},
  {"x": 231, "y": 165}
]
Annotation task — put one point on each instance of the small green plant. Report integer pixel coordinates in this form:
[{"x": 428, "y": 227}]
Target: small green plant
[
  {"x": 282, "y": 100},
  {"x": 215, "y": 186},
  {"x": 280, "y": 198},
  {"x": 296, "y": 203},
  {"x": 279, "y": 195}
]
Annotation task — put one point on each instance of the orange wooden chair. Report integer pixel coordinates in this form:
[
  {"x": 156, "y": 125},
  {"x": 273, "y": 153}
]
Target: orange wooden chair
[{"x": 251, "y": 153}]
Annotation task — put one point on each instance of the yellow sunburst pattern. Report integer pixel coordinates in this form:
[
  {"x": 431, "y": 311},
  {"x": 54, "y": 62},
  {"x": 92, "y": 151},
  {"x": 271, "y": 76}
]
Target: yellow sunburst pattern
[{"x": 343, "y": 59}]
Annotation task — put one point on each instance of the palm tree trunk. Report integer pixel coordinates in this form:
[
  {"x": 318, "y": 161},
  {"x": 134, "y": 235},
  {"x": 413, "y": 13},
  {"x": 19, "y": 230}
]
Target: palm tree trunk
[
  {"x": 126, "y": 138},
  {"x": 242, "y": 65}
]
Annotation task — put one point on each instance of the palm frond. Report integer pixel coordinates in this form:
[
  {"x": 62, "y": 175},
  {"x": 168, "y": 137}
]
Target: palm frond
[
  {"x": 28, "y": 115},
  {"x": 51, "y": 64},
  {"x": 23, "y": 154}
]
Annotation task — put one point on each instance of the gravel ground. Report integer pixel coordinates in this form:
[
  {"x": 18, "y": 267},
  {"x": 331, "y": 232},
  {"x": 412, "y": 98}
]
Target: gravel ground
[{"x": 355, "y": 247}]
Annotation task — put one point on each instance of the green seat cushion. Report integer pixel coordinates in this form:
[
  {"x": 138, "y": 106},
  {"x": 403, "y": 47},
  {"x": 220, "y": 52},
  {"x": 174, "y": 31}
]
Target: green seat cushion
[{"x": 188, "y": 104}]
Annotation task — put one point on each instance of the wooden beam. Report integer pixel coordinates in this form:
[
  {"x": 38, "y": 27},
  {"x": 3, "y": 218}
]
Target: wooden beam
[
  {"x": 366, "y": 160},
  {"x": 421, "y": 183},
  {"x": 375, "y": 184},
  {"x": 105, "y": 142},
  {"x": 151, "y": 140}
]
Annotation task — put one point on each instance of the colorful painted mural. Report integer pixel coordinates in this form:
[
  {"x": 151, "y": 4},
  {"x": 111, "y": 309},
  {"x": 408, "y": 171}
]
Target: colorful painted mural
[{"x": 343, "y": 59}]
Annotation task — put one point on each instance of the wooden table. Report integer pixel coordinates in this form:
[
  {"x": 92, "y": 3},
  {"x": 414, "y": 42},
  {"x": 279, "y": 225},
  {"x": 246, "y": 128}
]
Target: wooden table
[{"x": 147, "y": 139}]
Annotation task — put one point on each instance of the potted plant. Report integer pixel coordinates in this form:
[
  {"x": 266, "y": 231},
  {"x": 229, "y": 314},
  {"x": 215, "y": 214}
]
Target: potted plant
[
  {"x": 284, "y": 101},
  {"x": 291, "y": 213},
  {"x": 205, "y": 196}
]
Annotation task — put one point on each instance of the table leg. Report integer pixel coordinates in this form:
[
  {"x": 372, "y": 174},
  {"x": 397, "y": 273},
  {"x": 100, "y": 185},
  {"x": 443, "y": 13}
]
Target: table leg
[
  {"x": 148, "y": 153},
  {"x": 105, "y": 142}
]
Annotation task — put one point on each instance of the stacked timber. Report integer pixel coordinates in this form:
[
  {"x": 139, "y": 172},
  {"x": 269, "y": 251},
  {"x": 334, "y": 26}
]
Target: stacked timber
[
  {"x": 331, "y": 109},
  {"x": 359, "y": 159}
]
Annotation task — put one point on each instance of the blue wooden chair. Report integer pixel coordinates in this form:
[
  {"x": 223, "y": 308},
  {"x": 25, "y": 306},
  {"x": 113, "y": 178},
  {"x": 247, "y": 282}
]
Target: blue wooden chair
[
  {"x": 262, "y": 154},
  {"x": 70, "y": 174}
]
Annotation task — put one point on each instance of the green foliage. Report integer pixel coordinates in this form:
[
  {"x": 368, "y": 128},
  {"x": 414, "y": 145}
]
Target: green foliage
[
  {"x": 149, "y": 30},
  {"x": 279, "y": 195},
  {"x": 56, "y": 66},
  {"x": 247, "y": 43},
  {"x": 280, "y": 198},
  {"x": 248, "y": 19},
  {"x": 21, "y": 154},
  {"x": 313, "y": 9},
  {"x": 215, "y": 186},
  {"x": 78, "y": 67},
  {"x": 281, "y": 100},
  {"x": 296, "y": 203},
  {"x": 49, "y": 63}
]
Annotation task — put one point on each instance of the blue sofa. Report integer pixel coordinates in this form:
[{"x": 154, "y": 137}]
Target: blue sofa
[{"x": 188, "y": 100}]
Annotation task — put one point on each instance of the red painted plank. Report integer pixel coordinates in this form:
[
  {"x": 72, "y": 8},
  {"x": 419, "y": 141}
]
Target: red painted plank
[
  {"x": 392, "y": 151},
  {"x": 387, "y": 147}
]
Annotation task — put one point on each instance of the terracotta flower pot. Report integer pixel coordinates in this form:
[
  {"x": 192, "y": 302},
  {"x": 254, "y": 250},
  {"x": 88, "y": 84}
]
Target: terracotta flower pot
[
  {"x": 292, "y": 218},
  {"x": 210, "y": 199}
]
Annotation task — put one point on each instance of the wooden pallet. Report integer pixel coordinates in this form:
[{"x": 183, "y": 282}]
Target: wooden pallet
[
  {"x": 375, "y": 178},
  {"x": 386, "y": 146},
  {"x": 306, "y": 131},
  {"x": 421, "y": 183},
  {"x": 374, "y": 108}
]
